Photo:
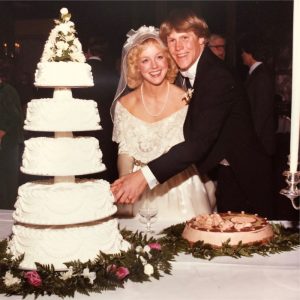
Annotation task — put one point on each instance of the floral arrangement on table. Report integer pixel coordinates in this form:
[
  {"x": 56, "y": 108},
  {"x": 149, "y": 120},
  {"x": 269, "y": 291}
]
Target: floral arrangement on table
[
  {"x": 148, "y": 258},
  {"x": 62, "y": 44}
]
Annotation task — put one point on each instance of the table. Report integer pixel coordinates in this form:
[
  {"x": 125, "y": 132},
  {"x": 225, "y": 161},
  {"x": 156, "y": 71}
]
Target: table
[{"x": 276, "y": 277}]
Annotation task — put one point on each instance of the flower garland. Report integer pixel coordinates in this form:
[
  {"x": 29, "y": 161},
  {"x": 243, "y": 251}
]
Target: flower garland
[
  {"x": 283, "y": 240},
  {"x": 147, "y": 258}
]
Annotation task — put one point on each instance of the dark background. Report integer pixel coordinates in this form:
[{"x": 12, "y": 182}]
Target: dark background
[{"x": 29, "y": 22}]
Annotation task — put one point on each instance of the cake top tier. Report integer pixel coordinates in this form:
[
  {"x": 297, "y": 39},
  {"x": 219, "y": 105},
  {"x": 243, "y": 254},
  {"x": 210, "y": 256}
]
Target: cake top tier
[
  {"x": 63, "y": 62},
  {"x": 62, "y": 44}
]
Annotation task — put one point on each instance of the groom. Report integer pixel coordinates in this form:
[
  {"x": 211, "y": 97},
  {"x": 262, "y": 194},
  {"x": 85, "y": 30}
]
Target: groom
[{"x": 217, "y": 130}]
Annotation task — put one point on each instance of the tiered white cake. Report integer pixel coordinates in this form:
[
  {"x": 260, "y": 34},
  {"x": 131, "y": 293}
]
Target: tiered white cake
[{"x": 63, "y": 219}]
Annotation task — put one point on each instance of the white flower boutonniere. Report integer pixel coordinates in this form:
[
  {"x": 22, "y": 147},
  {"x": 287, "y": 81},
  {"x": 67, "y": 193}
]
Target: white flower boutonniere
[{"x": 188, "y": 96}]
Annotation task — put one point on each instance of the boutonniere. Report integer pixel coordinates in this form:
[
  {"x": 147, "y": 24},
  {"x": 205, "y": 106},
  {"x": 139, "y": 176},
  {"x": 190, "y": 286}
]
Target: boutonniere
[{"x": 187, "y": 96}]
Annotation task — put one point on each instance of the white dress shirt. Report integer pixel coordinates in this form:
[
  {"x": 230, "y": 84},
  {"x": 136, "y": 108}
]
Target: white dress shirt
[
  {"x": 254, "y": 66},
  {"x": 191, "y": 72}
]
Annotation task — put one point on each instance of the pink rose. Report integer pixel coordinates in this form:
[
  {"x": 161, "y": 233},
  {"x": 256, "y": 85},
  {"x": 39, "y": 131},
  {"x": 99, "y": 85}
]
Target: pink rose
[
  {"x": 122, "y": 272},
  {"x": 33, "y": 278},
  {"x": 155, "y": 246}
]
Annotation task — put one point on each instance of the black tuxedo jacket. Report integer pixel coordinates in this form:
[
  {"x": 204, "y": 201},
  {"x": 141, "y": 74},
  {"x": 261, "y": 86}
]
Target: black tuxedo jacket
[
  {"x": 218, "y": 125},
  {"x": 260, "y": 91}
]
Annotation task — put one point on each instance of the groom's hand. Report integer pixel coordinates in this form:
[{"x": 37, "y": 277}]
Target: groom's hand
[{"x": 129, "y": 188}]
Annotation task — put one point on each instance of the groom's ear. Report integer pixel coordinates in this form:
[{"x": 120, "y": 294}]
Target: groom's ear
[{"x": 201, "y": 41}]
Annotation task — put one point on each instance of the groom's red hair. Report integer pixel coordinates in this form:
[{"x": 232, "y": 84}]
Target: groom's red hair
[{"x": 184, "y": 20}]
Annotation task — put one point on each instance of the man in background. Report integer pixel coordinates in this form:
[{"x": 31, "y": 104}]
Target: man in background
[
  {"x": 260, "y": 90},
  {"x": 217, "y": 44}
]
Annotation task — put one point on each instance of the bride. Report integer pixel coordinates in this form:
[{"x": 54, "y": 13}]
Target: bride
[{"x": 148, "y": 121}]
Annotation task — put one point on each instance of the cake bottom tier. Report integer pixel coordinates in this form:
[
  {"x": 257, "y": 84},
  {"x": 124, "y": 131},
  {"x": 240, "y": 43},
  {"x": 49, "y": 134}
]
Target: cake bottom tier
[{"x": 57, "y": 246}]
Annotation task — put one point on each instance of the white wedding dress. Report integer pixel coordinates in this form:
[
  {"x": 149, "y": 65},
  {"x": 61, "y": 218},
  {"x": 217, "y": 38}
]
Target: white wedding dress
[{"x": 184, "y": 195}]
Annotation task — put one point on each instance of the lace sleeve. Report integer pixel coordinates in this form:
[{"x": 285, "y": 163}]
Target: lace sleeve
[{"x": 119, "y": 129}]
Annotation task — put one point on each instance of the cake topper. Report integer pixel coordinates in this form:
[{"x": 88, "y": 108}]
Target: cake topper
[{"x": 62, "y": 44}]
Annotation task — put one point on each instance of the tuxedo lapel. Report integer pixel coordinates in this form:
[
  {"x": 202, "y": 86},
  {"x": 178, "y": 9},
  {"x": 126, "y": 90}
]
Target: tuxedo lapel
[
  {"x": 183, "y": 82},
  {"x": 253, "y": 75},
  {"x": 200, "y": 79},
  {"x": 179, "y": 81},
  {"x": 202, "y": 65}
]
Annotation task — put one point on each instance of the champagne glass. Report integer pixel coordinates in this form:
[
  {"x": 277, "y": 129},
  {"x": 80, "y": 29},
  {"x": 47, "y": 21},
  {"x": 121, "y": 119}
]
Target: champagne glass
[{"x": 148, "y": 212}]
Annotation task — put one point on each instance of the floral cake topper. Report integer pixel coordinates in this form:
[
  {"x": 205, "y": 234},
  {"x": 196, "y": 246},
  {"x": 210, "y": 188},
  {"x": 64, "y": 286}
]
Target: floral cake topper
[{"x": 62, "y": 44}]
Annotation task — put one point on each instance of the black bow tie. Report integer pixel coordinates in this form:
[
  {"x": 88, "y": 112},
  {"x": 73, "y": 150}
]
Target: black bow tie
[{"x": 187, "y": 83}]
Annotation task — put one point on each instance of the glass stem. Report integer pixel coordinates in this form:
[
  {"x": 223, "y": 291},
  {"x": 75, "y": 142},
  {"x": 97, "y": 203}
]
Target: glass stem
[{"x": 148, "y": 225}]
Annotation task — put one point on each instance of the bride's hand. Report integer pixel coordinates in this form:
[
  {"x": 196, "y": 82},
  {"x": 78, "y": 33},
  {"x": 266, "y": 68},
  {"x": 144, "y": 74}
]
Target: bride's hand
[{"x": 129, "y": 188}]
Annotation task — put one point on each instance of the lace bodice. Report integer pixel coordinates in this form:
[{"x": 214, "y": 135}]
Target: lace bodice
[{"x": 146, "y": 141}]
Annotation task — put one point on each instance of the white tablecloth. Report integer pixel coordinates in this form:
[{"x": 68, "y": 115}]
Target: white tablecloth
[{"x": 276, "y": 277}]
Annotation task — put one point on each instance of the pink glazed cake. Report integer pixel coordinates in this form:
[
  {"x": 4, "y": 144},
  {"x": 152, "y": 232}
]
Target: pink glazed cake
[{"x": 215, "y": 229}]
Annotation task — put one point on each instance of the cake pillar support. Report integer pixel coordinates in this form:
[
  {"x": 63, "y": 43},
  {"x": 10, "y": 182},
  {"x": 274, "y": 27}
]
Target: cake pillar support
[
  {"x": 63, "y": 134},
  {"x": 62, "y": 93},
  {"x": 60, "y": 134},
  {"x": 58, "y": 179}
]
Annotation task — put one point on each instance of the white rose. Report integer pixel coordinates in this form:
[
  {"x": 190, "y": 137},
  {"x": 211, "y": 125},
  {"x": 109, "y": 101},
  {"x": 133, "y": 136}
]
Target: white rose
[
  {"x": 48, "y": 46},
  {"x": 148, "y": 269},
  {"x": 59, "y": 53},
  {"x": 67, "y": 275},
  {"x": 73, "y": 48},
  {"x": 138, "y": 249},
  {"x": 77, "y": 57},
  {"x": 77, "y": 44},
  {"x": 147, "y": 249},
  {"x": 62, "y": 45},
  {"x": 45, "y": 58},
  {"x": 69, "y": 37},
  {"x": 64, "y": 11},
  {"x": 9, "y": 279},
  {"x": 64, "y": 28}
]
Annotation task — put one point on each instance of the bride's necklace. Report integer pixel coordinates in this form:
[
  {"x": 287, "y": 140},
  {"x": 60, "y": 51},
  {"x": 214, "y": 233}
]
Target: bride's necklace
[{"x": 163, "y": 107}]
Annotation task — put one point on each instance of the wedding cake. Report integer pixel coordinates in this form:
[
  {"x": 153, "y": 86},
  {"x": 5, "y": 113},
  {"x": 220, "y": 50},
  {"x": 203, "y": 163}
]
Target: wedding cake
[
  {"x": 63, "y": 219},
  {"x": 216, "y": 229}
]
